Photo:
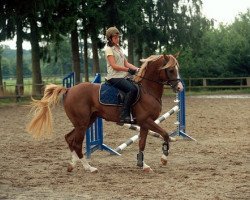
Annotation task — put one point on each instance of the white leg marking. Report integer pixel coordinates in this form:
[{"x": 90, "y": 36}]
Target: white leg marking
[
  {"x": 74, "y": 159},
  {"x": 172, "y": 139},
  {"x": 146, "y": 168},
  {"x": 164, "y": 159},
  {"x": 87, "y": 166}
]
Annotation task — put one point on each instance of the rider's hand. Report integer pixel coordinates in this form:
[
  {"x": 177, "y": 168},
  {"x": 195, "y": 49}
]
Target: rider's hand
[{"x": 132, "y": 71}]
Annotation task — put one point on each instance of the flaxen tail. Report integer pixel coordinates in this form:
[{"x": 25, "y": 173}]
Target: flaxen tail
[{"x": 41, "y": 124}]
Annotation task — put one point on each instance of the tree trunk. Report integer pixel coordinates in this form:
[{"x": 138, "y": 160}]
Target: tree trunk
[
  {"x": 139, "y": 51},
  {"x": 19, "y": 58},
  {"x": 96, "y": 67},
  {"x": 75, "y": 54},
  {"x": 131, "y": 49},
  {"x": 1, "y": 77},
  {"x": 35, "y": 54},
  {"x": 86, "y": 67}
]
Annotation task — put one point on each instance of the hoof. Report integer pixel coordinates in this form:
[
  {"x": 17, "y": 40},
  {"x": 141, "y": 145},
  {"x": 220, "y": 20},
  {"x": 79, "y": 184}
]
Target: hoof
[
  {"x": 70, "y": 168},
  {"x": 147, "y": 170},
  {"x": 93, "y": 170},
  {"x": 164, "y": 161},
  {"x": 172, "y": 139}
]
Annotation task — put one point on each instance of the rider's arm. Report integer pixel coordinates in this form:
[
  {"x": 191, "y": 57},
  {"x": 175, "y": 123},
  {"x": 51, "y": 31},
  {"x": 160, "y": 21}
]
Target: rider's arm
[
  {"x": 130, "y": 66},
  {"x": 111, "y": 60}
]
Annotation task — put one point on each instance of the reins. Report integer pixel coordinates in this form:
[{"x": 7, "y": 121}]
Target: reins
[{"x": 162, "y": 82}]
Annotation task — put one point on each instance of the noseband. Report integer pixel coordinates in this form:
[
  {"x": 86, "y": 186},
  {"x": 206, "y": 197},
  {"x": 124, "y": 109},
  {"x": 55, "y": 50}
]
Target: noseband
[{"x": 170, "y": 82}]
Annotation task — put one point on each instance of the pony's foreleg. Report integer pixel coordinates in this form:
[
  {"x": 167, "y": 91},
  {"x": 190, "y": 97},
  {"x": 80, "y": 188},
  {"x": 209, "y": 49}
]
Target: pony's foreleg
[
  {"x": 87, "y": 166},
  {"x": 140, "y": 155},
  {"x": 165, "y": 146}
]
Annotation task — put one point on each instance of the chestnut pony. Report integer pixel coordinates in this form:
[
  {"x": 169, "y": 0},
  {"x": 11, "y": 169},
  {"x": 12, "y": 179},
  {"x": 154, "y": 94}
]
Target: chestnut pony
[{"x": 81, "y": 104}]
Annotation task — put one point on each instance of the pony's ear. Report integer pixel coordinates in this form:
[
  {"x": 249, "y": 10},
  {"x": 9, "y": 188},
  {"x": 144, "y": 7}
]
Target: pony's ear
[
  {"x": 176, "y": 55},
  {"x": 166, "y": 57}
]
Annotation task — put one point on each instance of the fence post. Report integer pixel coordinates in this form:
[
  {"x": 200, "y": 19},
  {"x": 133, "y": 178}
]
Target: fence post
[
  {"x": 189, "y": 84},
  {"x": 204, "y": 80},
  {"x": 4, "y": 87},
  {"x": 248, "y": 81},
  {"x": 1, "y": 90}
]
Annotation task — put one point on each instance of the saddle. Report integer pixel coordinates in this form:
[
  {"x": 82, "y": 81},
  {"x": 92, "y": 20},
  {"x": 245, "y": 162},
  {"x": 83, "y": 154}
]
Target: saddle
[{"x": 110, "y": 95}]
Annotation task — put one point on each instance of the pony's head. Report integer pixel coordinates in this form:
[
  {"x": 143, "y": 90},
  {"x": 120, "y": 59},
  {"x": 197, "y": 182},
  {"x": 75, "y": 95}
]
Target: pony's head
[
  {"x": 162, "y": 69},
  {"x": 172, "y": 75}
]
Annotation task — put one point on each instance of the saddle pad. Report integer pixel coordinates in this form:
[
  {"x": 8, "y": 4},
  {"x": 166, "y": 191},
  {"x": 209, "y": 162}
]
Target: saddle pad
[{"x": 108, "y": 95}]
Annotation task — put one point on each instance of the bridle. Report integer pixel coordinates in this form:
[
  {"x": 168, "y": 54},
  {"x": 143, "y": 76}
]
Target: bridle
[{"x": 168, "y": 82}]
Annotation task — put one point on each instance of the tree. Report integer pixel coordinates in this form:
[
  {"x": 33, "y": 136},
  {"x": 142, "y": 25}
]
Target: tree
[
  {"x": 1, "y": 76},
  {"x": 132, "y": 18},
  {"x": 239, "y": 42},
  {"x": 75, "y": 54},
  {"x": 95, "y": 23},
  {"x": 13, "y": 22},
  {"x": 35, "y": 52},
  {"x": 19, "y": 53}
]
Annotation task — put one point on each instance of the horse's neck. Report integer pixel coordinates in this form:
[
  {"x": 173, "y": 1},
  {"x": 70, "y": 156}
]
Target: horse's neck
[
  {"x": 153, "y": 88},
  {"x": 151, "y": 79}
]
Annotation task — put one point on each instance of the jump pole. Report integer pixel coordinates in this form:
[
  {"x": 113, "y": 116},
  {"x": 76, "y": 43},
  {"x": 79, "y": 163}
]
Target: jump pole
[{"x": 137, "y": 128}]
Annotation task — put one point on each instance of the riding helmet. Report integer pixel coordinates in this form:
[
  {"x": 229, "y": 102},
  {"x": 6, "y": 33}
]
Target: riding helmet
[{"x": 111, "y": 32}]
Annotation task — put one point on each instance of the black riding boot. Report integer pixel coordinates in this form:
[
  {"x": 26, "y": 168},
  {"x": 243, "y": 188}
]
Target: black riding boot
[{"x": 126, "y": 109}]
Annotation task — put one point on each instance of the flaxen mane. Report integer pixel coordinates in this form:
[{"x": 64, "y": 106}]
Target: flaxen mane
[
  {"x": 171, "y": 62},
  {"x": 144, "y": 65}
]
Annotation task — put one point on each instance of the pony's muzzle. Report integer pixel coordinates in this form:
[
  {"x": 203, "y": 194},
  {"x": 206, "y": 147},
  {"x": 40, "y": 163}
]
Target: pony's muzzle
[{"x": 179, "y": 87}]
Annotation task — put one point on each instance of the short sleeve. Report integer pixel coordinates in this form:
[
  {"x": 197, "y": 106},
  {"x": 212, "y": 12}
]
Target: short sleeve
[{"x": 108, "y": 52}]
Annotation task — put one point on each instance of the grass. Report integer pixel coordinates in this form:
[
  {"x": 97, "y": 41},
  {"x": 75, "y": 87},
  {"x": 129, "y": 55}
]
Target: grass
[
  {"x": 168, "y": 92},
  {"x": 219, "y": 92},
  {"x": 13, "y": 101},
  {"x": 10, "y": 87}
]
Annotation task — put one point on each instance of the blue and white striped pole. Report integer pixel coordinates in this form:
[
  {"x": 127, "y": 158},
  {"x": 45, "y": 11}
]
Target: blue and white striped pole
[{"x": 137, "y": 128}]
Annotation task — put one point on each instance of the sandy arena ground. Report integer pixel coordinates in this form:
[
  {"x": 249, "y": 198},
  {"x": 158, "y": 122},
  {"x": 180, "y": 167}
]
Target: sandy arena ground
[{"x": 217, "y": 166}]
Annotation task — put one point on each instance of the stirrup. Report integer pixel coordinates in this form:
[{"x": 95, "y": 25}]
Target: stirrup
[{"x": 128, "y": 120}]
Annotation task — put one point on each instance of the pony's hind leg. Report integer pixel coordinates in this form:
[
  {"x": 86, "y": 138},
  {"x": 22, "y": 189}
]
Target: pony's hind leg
[{"x": 75, "y": 140}]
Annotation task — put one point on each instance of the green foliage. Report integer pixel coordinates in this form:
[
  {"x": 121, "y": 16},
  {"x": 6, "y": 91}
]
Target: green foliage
[
  {"x": 222, "y": 52},
  {"x": 148, "y": 27},
  {"x": 9, "y": 62}
]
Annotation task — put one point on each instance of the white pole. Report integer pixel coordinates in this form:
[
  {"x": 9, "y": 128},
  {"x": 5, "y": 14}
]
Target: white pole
[{"x": 137, "y": 128}]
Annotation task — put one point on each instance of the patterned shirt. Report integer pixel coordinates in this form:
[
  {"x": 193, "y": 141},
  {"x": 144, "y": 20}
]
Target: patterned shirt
[{"x": 119, "y": 59}]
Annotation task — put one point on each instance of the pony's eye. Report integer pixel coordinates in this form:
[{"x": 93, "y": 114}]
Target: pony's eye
[{"x": 171, "y": 71}]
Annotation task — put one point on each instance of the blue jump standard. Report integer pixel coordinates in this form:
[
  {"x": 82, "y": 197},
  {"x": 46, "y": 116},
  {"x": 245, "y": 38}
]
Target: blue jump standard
[
  {"x": 181, "y": 117},
  {"x": 94, "y": 139},
  {"x": 94, "y": 134}
]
